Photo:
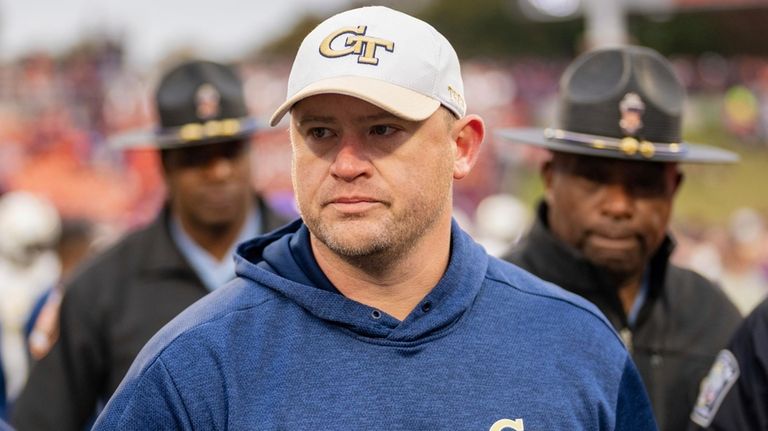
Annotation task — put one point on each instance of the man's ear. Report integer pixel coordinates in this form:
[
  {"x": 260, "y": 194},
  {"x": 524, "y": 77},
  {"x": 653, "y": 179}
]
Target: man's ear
[
  {"x": 547, "y": 172},
  {"x": 679, "y": 180},
  {"x": 468, "y": 134},
  {"x": 675, "y": 177},
  {"x": 165, "y": 162}
]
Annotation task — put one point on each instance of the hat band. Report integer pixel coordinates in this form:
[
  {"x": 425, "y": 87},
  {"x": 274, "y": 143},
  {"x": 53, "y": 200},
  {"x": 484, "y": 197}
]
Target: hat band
[
  {"x": 628, "y": 145},
  {"x": 190, "y": 132}
]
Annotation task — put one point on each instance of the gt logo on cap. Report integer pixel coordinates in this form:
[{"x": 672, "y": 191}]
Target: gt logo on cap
[{"x": 361, "y": 45}]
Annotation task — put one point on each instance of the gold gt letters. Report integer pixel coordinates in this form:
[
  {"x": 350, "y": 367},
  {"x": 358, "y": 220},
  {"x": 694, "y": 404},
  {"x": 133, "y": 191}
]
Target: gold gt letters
[{"x": 357, "y": 43}]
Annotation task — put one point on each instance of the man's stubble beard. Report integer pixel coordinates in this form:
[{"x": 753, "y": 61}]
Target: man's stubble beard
[
  {"x": 619, "y": 269},
  {"x": 387, "y": 241}
]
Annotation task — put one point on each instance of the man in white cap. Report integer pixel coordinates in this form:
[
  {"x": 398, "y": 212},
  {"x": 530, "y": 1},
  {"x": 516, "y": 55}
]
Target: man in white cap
[{"x": 375, "y": 311}]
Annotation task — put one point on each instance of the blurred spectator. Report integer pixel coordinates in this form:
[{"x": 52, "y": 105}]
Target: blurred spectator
[
  {"x": 500, "y": 221},
  {"x": 743, "y": 277},
  {"x": 42, "y": 326},
  {"x": 740, "y": 107},
  {"x": 761, "y": 91},
  {"x": 29, "y": 229},
  {"x": 3, "y": 402},
  {"x": 702, "y": 252}
]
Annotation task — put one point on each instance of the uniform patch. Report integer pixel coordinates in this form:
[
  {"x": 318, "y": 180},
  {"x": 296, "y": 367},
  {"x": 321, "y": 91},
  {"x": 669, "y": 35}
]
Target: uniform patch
[
  {"x": 714, "y": 388},
  {"x": 632, "y": 109},
  {"x": 207, "y": 102}
]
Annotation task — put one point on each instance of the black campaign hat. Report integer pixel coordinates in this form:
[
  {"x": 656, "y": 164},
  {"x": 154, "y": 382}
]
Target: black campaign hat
[
  {"x": 623, "y": 103},
  {"x": 198, "y": 102}
]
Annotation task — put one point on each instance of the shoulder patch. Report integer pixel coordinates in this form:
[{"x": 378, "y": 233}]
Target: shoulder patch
[{"x": 715, "y": 386}]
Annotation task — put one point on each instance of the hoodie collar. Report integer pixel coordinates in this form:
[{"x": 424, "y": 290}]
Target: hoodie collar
[{"x": 277, "y": 261}]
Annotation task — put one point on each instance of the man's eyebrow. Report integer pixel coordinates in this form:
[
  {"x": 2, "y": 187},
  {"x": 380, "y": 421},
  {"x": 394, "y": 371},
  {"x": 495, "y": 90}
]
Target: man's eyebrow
[
  {"x": 382, "y": 116},
  {"x": 314, "y": 119},
  {"x": 377, "y": 117}
]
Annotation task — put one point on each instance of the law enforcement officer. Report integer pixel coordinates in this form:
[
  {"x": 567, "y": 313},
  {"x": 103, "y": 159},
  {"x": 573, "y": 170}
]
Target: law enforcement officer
[
  {"x": 601, "y": 229},
  {"x": 126, "y": 294},
  {"x": 734, "y": 395}
]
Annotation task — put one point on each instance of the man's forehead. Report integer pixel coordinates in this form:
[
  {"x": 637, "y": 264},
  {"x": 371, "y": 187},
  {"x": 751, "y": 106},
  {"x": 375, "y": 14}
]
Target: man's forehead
[
  {"x": 331, "y": 107},
  {"x": 209, "y": 150},
  {"x": 580, "y": 161}
]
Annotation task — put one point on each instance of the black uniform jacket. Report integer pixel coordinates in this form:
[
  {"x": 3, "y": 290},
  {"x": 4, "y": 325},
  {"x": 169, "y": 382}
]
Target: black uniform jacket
[
  {"x": 109, "y": 311},
  {"x": 683, "y": 323},
  {"x": 739, "y": 401}
]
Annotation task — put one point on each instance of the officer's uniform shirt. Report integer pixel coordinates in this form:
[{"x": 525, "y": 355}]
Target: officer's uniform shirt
[
  {"x": 734, "y": 395},
  {"x": 212, "y": 272}
]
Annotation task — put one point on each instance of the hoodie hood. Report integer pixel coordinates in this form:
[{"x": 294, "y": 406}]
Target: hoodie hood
[{"x": 283, "y": 262}]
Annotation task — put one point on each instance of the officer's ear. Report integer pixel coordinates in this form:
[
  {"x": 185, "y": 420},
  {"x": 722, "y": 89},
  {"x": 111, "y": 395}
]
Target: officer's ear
[
  {"x": 165, "y": 161},
  {"x": 677, "y": 176},
  {"x": 546, "y": 172}
]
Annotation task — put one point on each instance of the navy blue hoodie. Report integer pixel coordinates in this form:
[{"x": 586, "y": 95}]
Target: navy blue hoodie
[{"x": 489, "y": 348}]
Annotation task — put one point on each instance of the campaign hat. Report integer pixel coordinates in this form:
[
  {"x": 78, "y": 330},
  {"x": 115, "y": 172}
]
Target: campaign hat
[
  {"x": 198, "y": 102},
  {"x": 624, "y": 103}
]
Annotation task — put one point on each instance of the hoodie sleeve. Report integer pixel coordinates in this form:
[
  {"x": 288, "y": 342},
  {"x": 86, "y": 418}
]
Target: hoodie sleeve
[
  {"x": 147, "y": 401},
  {"x": 633, "y": 409}
]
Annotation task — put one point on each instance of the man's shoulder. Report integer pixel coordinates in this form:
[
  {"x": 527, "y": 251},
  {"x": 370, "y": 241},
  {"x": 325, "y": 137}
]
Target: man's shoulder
[
  {"x": 541, "y": 296},
  {"x": 689, "y": 279},
  {"x": 123, "y": 259},
  {"x": 133, "y": 243},
  {"x": 690, "y": 302},
  {"x": 759, "y": 316},
  {"x": 206, "y": 321},
  {"x": 691, "y": 290},
  {"x": 753, "y": 331}
]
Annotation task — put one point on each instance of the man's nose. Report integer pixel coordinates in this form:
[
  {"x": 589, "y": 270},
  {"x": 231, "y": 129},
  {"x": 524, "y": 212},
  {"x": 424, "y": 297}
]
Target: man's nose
[
  {"x": 219, "y": 167},
  {"x": 351, "y": 160},
  {"x": 617, "y": 200}
]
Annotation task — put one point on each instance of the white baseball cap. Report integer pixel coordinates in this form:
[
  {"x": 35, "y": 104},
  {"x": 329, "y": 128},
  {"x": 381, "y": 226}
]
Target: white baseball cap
[{"x": 385, "y": 57}]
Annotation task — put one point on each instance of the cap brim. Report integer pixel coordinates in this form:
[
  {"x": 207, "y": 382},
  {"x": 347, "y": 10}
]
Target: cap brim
[
  {"x": 691, "y": 153},
  {"x": 161, "y": 139},
  {"x": 400, "y": 101}
]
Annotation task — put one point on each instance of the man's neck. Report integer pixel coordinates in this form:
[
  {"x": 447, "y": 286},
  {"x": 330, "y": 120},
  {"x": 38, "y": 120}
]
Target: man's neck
[
  {"x": 397, "y": 287},
  {"x": 215, "y": 239},
  {"x": 628, "y": 292}
]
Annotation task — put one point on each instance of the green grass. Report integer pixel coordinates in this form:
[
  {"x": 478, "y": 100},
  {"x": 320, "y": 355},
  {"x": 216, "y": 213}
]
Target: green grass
[{"x": 712, "y": 193}]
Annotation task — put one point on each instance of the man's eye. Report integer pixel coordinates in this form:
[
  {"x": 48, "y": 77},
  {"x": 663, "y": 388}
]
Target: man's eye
[
  {"x": 382, "y": 130},
  {"x": 319, "y": 132},
  {"x": 650, "y": 188}
]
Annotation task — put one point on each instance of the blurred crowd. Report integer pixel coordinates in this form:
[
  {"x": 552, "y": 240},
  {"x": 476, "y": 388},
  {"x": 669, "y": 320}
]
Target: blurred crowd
[{"x": 57, "y": 116}]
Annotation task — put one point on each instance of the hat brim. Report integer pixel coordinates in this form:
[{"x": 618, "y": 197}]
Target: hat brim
[
  {"x": 688, "y": 153},
  {"x": 400, "y": 101},
  {"x": 169, "y": 138}
]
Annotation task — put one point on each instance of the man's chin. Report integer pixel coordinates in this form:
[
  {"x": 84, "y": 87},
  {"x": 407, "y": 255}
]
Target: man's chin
[
  {"x": 353, "y": 242},
  {"x": 618, "y": 263},
  {"x": 352, "y": 237},
  {"x": 217, "y": 220}
]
